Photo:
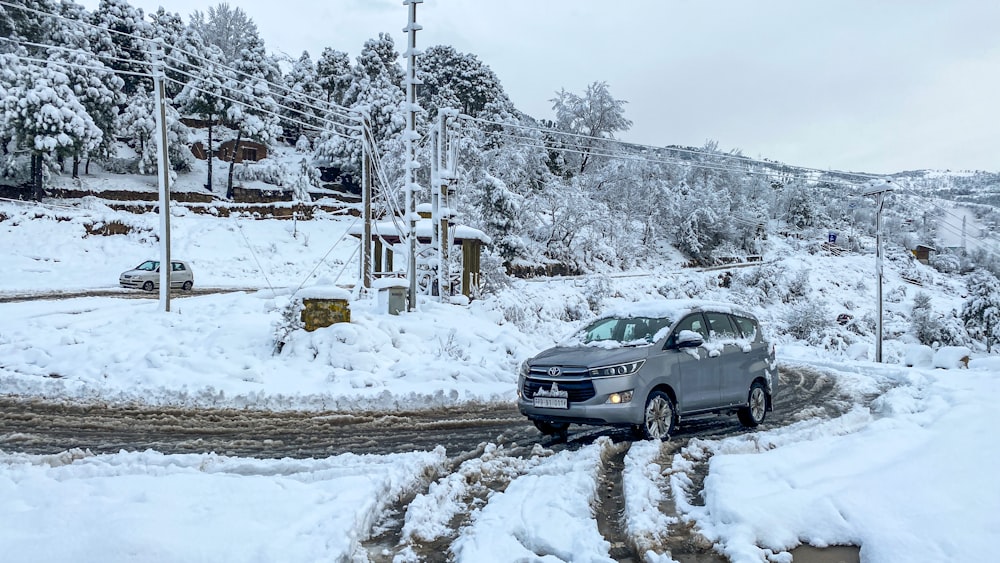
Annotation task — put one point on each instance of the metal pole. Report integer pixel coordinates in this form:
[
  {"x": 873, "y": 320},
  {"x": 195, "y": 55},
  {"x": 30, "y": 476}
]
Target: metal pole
[
  {"x": 163, "y": 175},
  {"x": 879, "y": 193},
  {"x": 435, "y": 141},
  {"x": 411, "y": 149},
  {"x": 366, "y": 195},
  {"x": 879, "y": 199}
]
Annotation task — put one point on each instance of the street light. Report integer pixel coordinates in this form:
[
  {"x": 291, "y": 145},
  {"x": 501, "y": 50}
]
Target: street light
[{"x": 879, "y": 192}]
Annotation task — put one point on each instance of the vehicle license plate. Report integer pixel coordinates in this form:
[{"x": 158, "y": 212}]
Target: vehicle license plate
[{"x": 551, "y": 402}]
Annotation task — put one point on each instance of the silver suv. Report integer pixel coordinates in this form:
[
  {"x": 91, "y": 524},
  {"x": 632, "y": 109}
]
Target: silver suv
[
  {"x": 147, "y": 276},
  {"x": 648, "y": 365}
]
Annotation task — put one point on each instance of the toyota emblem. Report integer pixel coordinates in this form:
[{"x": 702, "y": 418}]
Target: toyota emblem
[{"x": 555, "y": 371}]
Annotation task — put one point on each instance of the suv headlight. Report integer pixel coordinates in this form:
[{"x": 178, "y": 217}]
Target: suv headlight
[
  {"x": 617, "y": 369},
  {"x": 525, "y": 368}
]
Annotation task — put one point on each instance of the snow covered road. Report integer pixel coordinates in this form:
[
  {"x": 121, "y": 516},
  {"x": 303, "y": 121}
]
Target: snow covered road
[{"x": 489, "y": 453}]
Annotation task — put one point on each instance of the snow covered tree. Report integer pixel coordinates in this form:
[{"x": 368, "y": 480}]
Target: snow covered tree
[
  {"x": 126, "y": 45},
  {"x": 333, "y": 75},
  {"x": 178, "y": 49},
  {"x": 43, "y": 115},
  {"x": 305, "y": 180},
  {"x": 29, "y": 24},
  {"x": 981, "y": 312},
  {"x": 254, "y": 113},
  {"x": 374, "y": 90},
  {"x": 801, "y": 209},
  {"x": 208, "y": 96},
  {"x": 596, "y": 115},
  {"x": 378, "y": 60},
  {"x": 301, "y": 100},
  {"x": 932, "y": 328},
  {"x": 461, "y": 81},
  {"x": 137, "y": 124},
  {"x": 230, "y": 29},
  {"x": 99, "y": 90}
]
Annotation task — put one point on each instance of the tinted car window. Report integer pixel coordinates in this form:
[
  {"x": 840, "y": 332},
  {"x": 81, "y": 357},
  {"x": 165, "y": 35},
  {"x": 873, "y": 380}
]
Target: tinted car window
[
  {"x": 694, "y": 322},
  {"x": 721, "y": 325},
  {"x": 747, "y": 327},
  {"x": 629, "y": 329}
]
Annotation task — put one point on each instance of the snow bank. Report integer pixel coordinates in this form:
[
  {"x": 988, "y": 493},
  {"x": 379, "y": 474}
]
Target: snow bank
[
  {"x": 896, "y": 480},
  {"x": 544, "y": 515},
  {"x": 147, "y": 506},
  {"x": 218, "y": 350},
  {"x": 952, "y": 357}
]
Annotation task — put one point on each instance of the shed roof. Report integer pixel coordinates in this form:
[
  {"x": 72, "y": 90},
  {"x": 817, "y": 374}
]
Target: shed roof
[{"x": 388, "y": 231}]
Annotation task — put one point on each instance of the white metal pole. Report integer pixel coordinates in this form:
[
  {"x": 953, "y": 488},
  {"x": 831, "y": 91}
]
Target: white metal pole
[
  {"x": 366, "y": 196},
  {"x": 879, "y": 193},
  {"x": 163, "y": 175},
  {"x": 435, "y": 142},
  {"x": 411, "y": 135},
  {"x": 880, "y": 199}
]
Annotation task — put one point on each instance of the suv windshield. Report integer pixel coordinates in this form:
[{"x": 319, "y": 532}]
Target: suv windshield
[{"x": 629, "y": 331}]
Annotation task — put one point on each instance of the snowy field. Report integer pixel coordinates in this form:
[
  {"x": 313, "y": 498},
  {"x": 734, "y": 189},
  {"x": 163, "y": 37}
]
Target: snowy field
[{"x": 907, "y": 474}]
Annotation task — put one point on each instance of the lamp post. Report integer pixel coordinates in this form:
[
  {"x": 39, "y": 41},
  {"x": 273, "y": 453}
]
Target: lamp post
[{"x": 879, "y": 193}]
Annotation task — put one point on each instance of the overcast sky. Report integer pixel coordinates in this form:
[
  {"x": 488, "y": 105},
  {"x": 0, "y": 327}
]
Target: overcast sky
[{"x": 861, "y": 85}]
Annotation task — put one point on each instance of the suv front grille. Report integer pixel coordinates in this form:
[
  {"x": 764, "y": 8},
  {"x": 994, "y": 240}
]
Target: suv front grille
[{"x": 578, "y": 390}]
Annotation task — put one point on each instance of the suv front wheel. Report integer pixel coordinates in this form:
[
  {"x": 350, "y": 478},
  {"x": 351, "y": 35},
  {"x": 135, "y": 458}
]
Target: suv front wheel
[{"x": 659, "y": 417}]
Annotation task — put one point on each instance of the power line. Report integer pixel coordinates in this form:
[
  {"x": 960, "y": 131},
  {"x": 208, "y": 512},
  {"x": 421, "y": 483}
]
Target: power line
[
  {"x": 49, "y": 62},
  {"x": 178, "y": 49},
  {"x": 238, "y": 91},
  {"x": 677, "y": 162},
  {"x": 693, "y": 152},
  {"x": 76, "y": 50}
]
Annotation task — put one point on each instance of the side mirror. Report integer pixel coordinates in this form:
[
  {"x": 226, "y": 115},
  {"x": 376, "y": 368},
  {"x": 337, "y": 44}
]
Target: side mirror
[{"x": 689, "y": 339}]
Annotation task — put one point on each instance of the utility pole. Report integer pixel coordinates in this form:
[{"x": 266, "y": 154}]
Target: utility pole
[
  {"x": 879, "y": 193},
  {"x": 410, "y": 136},
  {"x": 442, "y": 175},
  {"x": 366, "y": 196},
  {"x": 163, "y": 175}
]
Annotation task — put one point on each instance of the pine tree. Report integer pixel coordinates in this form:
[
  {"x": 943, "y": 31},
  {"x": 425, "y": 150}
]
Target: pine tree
[
  {"x": 333, "y": 75},
  {"x": 981, "y": 312},
  {"x": 126, "y": 45},
  {"x": 208, "y": 96},
  {"x": 254, "y": 113},
  {"x": 374, "y": 90},
  {"x": 461, "y": 81},
  {"x": 42, "y": 114},
  {"x": 304, "y": 93}
]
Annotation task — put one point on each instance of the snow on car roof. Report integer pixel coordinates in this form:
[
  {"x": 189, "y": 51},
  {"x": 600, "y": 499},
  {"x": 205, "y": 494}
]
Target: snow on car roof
[{"x": 672, "y": 308}]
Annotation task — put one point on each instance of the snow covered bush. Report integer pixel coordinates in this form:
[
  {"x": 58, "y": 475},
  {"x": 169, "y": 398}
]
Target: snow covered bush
[
  {"x": 303, "y": 145},
  {"x": 268, "y": 171},
  {"x": 290, "y": 321},
  {"x": 934, "y": 329},
  {"x": 760, "y": 284},
  {"x": 945, "y": 262},
  {"x": 808, "y": 321},
  {"x": 981, "y": 312},
  {"x": 596, "y": 289}
]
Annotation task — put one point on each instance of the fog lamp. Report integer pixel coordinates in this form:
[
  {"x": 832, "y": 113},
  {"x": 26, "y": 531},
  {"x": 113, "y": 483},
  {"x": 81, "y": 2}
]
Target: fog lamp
[{"x": 619, "y": 398}]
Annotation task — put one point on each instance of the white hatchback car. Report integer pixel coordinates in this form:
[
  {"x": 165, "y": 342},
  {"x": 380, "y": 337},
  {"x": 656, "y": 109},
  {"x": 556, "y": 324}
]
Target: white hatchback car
[{"x": 147, "y": 276}]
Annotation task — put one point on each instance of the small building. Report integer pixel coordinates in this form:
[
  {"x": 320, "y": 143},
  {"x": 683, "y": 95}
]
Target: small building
[
  {"x": 249, "y": 151},
  {"x": 923, "y": 253}
]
